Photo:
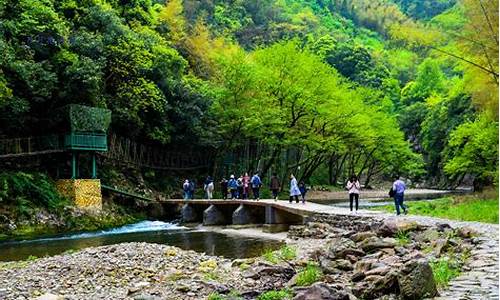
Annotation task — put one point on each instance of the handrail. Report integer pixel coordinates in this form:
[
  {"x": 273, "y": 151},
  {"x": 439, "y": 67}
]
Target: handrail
[{"x": 112, "y": 189}]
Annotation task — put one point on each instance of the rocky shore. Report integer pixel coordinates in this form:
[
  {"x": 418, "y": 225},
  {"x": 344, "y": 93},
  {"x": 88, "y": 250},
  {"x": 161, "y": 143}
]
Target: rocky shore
[{"x": 364, "y": 258}]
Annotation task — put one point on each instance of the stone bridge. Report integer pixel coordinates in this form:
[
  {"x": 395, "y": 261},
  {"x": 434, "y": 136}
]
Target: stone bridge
[{"x": 274, "y": 215}]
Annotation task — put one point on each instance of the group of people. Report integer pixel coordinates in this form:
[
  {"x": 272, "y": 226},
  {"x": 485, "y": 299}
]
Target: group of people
[
  {"x": 397, "y": 192},
  {"x": 240, "y": 188}
]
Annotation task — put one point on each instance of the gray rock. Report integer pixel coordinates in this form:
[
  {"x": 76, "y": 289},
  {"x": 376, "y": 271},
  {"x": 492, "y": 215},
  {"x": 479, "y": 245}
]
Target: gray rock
[
  {"x": 375, "y": 286},
  {"x": 322, "y": 291},
  {"x": 391, "y": 226},
  {"x": 416, "y": 280},
  {"x": 373, "y": 243},
  {"x": 341, "y": 247},
  {"x": 358, "y": 237}
]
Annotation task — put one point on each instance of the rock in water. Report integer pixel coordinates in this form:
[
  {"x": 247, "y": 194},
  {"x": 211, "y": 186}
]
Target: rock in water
[
  {"x": 321, "y": 291},
  {"x": 416, "y": 280}
]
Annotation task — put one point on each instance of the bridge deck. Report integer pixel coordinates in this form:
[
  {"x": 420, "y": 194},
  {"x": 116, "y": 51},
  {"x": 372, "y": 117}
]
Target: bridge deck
[{"x": 304, "y": 209}]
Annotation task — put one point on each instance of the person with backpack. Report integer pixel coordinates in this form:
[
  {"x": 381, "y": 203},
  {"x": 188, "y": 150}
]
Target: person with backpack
[
  {"x": 274, "y": 186},
  {"x": 239, "y": 182},
  {"x": 246, "y": 186},
  {"x": 303, "y": 190},
  {"x": 185, "y": 188},
  {"x": 223, "y": 188},
  {"x": 398, "y": 192},
  {"x": 233, "y": 187},
  {"x": 209, "y": 187},
  {"x": 192, "y": 187},
  {"x": 353, "y": 187},
  {"x": 256, "y": 184},
  {"x": 294, "y": 189}
]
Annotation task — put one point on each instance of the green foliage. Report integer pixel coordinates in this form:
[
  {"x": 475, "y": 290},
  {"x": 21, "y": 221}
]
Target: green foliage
[
  {"x": 29, "y": 190},
  {"x": 444, "y": 270},
  {"x": 85, "y": 118},
  {"x": 284, "y": 253},
  {"x": 309, "y": 275},
  {"x": 402, "y": 237},
  {"x": 215, "y": 296},
  {"x": 473, "y": 149},
  {"x": 316, "y": 86},
  {"x": 276, "y": 295}
]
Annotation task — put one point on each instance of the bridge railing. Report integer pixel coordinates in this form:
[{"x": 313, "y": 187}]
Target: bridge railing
[{"x": 13, "y": 147}]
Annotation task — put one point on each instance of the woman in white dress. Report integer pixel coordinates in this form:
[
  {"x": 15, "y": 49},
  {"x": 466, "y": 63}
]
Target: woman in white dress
[{"x": 294, "y": 189}]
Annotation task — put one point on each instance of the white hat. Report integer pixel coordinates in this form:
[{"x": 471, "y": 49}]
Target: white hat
[{"x": 232, "y": 176}]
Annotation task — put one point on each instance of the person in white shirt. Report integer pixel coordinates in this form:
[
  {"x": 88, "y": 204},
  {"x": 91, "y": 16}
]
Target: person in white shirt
[{"x": 353, "y": 187}]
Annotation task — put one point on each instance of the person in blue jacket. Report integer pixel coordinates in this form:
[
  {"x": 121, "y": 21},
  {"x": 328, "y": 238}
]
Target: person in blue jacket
[{"x": 232, "y": 184}]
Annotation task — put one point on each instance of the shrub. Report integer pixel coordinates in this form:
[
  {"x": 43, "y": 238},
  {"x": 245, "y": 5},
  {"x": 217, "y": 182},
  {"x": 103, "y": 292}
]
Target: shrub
[
  {"x": 402, "y": 237},
  {"x": 287, "y": 252},
  {"x": 309, "y": 275},
  {"x": 270, "y": 256},
  {"x": 215, "y": 296},
  {"x": 26, "y": 190},
  {"x": 444, "y": 270},
  {"x": 276, "y": 295}
]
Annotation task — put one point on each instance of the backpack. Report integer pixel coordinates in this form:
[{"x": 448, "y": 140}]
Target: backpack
[
  {"x": 256, "y": 181},
  {"x": 392, "y": 192}
]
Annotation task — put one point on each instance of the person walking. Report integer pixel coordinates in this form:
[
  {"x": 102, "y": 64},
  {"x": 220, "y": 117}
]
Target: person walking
[
  {"x": 256, "y": 184},
  {"x": 246, "y": 186},
  {"x": 239, "y": 182},
  {"x": 294, "y": 189},
  {"x": 233, "y": 187},
  {"x": 223, "y": 188},
  {"x": 192, "y": 187},
  {"x": 398, "y": 189},
  {"x": 209, "y": 187},
  {"x": 353, "y": 187},
  {"x": 185, "y": 188},
  {"x": 303, "y": 190},
  {"x": 275, "y": 186}
]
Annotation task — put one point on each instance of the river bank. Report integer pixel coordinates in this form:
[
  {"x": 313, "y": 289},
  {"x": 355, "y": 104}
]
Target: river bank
[
  {"x": 367, "y": 258},
  {"x": 41, "y": 222}
]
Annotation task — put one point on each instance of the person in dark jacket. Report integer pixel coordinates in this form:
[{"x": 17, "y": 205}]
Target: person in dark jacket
[
  {"x": 303, "y": 190},
  {"x": 275, "y": 186},
  {"x": 192, "y": 188},
  {"x": 223, "y": 188}
]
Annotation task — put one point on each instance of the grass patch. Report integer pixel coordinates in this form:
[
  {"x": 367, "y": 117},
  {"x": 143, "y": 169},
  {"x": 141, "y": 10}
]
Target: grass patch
[
  {"x": 215, "y": 296},
  {"x": 309, "y": 275},
  {"x": 402, "y": 237},
  {"x": 463, "y": 208},
  {"x": 285, "y": 253},
  {"x": 444, "y": 270},
  {"x": 276, "y": 295}
]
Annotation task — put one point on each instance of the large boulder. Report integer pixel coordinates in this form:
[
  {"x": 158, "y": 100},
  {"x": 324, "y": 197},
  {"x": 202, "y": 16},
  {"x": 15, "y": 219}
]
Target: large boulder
[
  {"x": 341, "y": 247},
  {"x": 374, "y": 243},
  {"x": 322, "y": 291},
  {"x": 375, "y": 286},
  {"x": 391, "y": 226},
  {"x": 416, "y": 280}
]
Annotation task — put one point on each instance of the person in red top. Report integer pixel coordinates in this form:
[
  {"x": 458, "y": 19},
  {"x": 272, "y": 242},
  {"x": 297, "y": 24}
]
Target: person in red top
[{"x": 246, "y": 186}]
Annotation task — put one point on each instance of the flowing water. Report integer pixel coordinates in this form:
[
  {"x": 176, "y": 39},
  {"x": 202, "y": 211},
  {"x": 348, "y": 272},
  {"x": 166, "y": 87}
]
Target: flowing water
[{"x": 145, "y": 231}]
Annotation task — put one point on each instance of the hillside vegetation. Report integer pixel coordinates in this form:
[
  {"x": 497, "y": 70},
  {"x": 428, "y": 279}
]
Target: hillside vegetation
[{"x": 323, "y": 89}]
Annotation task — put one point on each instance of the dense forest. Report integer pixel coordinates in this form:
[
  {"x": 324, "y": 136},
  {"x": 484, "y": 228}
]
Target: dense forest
[{"x": 320, "y": 88}]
